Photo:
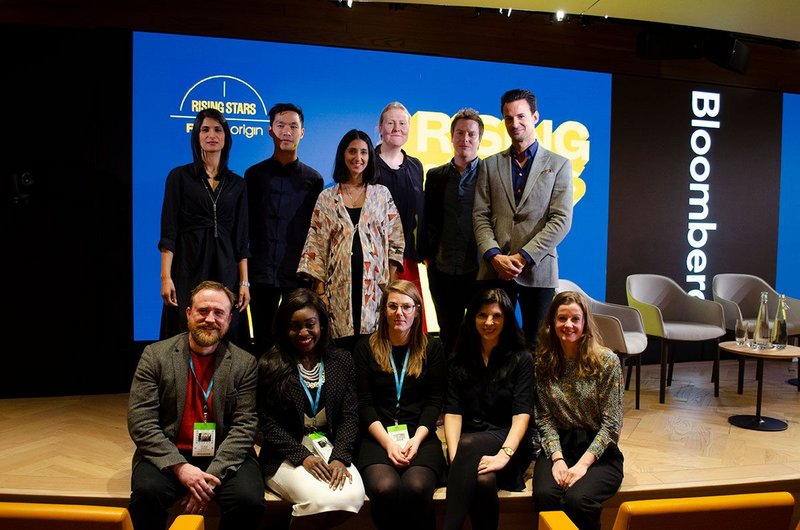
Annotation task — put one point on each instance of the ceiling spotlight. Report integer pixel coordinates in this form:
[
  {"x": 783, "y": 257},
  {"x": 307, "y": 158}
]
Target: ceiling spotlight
[
  {"x": 560, "y": 15},
  {"x": 349, "y": 3}
]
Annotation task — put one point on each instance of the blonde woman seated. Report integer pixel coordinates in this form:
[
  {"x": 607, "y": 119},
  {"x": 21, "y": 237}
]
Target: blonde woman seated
[
  {"x": 308, "y": 415},
  {"x": 401, "y": 377},
  {"x": 578, "y": 414}
]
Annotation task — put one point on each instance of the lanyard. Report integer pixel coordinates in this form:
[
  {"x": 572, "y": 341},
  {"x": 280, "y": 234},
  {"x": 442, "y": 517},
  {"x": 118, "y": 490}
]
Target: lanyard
[
  {"x": 314, "y": 402},
  {"x": 398, "y": 381},
  {"x": 204, "y": 393}
]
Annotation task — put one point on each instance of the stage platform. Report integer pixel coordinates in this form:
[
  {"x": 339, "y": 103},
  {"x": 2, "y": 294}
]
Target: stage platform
[{"x": 76, "y": 449}]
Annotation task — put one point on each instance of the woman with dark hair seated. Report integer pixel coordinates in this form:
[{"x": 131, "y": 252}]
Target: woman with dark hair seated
[
  {"x": 401, "y": 378},
  {"x": 487, "y": 415},
  {"x": 578, "y": 414},
  {"x": 308, "y": 415}
]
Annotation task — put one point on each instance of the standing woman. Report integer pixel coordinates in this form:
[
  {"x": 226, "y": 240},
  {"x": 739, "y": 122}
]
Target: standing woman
[
  {"x": 401, "y": 377},
  {"x": 403, "y": 175},
  {"x": 204, "y": 232},
  {"x": 487, "y": 415},
  {"x": 307, "y": 389},
  {"x": 355, "y": 242},
  {"x": 578, "y": 414}
]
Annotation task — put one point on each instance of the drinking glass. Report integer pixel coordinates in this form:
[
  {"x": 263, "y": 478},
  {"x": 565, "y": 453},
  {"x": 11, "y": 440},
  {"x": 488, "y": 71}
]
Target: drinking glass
[
  {"x": 740, "y": 331},
  {"x": 749, "y": 342}
]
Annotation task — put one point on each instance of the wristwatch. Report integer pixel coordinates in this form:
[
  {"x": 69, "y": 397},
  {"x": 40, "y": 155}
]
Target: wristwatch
[{"x": 508, "y": 451}]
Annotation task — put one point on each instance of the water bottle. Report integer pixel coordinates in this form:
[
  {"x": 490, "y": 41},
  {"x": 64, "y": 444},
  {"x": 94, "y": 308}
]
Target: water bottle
[
  {"x": 761, "y": 330},
  {"x": 780, "y": 337}
]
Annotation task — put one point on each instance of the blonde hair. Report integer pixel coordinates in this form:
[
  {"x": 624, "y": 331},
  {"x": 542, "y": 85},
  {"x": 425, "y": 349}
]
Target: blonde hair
[
  {"x": 418, "y": 343},
  {"x": 391, "y": 106}
]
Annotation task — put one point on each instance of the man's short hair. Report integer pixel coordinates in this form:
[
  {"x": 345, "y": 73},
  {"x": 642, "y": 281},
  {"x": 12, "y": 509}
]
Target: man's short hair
[
  {"x": 277, "y": 108},
  {"x": 467, "y": 114},
  {"x": 515, "y": 95},
  {"x": 213, "y": 286}
]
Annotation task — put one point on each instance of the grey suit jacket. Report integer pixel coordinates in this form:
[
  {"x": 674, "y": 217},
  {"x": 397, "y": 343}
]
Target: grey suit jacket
[
  {"x": 158, "y": 396},
  {"x": 537, "y": 225}
]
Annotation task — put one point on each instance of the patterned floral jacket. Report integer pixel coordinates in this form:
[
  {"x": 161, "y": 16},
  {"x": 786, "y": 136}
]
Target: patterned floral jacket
[{"x": 326, "y": 255}]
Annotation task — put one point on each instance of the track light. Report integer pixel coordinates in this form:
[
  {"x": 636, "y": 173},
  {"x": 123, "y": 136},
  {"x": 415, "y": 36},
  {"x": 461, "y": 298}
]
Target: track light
[{"x": 560, "y": 15}]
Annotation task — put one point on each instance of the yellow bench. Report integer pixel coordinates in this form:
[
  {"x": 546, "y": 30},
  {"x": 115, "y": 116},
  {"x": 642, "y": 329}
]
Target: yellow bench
[
  {"x": 768, "y": 511},
  {"x": 44, "y": 516}
]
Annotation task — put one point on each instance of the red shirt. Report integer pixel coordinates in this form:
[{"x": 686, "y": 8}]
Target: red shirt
[{"x": 193, "y": 408}]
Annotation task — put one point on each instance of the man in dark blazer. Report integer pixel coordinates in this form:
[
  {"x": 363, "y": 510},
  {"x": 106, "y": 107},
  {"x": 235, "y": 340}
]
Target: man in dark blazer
[
  {"x": 191, "y": 414},
  {"x": 447, "y": 240},
  {"x": 522, "y": 211}
]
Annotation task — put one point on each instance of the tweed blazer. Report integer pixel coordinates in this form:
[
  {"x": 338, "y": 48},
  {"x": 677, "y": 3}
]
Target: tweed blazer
[
  {"x": 283, "y": 429},
  {"x": 158, "y": 396},
  {"x": 537, "y": 224}
]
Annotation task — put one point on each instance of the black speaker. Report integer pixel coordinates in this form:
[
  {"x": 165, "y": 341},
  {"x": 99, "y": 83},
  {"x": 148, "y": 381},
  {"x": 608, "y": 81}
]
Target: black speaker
[
  {"x": 669, "y": 43},
  {"x": 727, "y": 52}
]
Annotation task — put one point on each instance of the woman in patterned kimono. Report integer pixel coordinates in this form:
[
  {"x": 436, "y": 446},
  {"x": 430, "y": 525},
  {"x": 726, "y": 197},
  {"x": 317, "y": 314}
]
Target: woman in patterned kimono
[
  {"x": 578, "y": 414},
  {"x": 355, "y": 242}
]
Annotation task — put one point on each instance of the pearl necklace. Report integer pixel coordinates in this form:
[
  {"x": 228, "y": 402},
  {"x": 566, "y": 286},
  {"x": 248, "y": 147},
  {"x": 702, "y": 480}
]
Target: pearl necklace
[{"x": 313, "y": 377}]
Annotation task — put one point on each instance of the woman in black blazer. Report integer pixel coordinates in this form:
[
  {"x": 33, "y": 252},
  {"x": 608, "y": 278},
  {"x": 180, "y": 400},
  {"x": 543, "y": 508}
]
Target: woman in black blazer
[{"x": 308, "y": 416}]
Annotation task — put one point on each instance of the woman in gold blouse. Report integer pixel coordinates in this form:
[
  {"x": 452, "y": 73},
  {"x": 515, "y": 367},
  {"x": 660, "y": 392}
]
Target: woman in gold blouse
[{"x": 578, "y": 413}]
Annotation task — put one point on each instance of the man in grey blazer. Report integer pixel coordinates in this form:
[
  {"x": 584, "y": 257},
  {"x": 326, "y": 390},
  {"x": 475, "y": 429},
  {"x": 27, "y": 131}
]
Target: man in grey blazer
[
  {"x": 522, "y": 211},
  {"x": 192, "y": 416}
]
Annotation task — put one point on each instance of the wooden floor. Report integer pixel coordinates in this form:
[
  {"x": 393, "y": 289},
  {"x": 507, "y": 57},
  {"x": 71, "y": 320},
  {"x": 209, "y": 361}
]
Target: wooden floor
[{"x": 77, "y": 450}]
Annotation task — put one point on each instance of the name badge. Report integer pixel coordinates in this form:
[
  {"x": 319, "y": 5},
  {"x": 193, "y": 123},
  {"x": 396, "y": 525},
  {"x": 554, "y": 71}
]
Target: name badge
[
  {"x": 322, "y": 446},
  {"x": 203, "y": 440},
  {"x": 399, "y": 434}
]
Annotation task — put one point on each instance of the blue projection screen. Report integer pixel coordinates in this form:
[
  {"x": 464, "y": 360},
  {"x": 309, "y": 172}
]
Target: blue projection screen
[{"x": 339, "y": 89}]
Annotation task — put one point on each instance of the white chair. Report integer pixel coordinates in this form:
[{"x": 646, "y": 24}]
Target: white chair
[
  {"x": 621, "y": 330},
  {"x": 672, "y": 315}
]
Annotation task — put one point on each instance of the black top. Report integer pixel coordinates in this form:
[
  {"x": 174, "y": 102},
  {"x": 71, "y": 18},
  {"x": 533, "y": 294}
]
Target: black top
[
  {"x": 421, "y": 398},
  {"x": 405, "y": 184},
  {"x": 281, "y": 200},
  {"x": 188, "y": 230},
  {"x": 282, "y": 426},
  {"x": 486, "y": 401}
]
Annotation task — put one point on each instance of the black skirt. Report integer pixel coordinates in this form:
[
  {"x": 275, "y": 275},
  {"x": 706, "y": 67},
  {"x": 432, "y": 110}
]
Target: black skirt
[{"x": 430, "y": 455}]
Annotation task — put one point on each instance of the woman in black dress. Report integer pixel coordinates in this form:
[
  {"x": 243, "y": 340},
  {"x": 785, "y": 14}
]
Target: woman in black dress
[
  {"x": 204, "y": 233},
  {"x": 487, "y": 415},
  {"x": 401, "y": 378}
]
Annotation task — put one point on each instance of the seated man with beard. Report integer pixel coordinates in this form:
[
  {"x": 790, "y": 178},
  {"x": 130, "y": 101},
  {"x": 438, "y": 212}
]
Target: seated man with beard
[{"x": 192, "y": 416}]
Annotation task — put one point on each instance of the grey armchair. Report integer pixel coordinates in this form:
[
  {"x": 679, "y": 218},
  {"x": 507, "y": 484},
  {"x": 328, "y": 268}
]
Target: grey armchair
[
  {"x": 672, "y": 315},
  {"x": 621, "y": 330},
  {"x": 739, "y": 295}
]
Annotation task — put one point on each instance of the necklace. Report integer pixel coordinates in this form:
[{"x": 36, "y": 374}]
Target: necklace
[
  {"x": 362, "y": 190},
  {"x": 214, "y": 196},
  {"x": 312, "y": 377}
]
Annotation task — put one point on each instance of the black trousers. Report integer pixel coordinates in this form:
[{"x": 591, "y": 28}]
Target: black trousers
[
  {"x": 240, "y": 496},
  {"x": 451, "y": 294},
  {"x": 264, "y": 301},
  {"x": 583, "y": 502},
  {"x": 533, "y": 303}
]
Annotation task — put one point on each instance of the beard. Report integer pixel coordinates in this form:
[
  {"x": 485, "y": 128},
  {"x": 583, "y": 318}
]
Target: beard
[{"x": 206, "y": 334}]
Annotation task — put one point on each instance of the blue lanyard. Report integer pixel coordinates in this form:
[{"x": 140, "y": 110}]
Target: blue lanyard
[
  {"x": 204, "y": 393},
  {"x": 398, "y": 381},
  {"x": 313, "y": 402}
]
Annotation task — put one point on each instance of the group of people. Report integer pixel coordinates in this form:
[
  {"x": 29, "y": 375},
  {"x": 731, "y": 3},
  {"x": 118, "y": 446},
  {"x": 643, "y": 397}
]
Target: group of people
[
  {"x": 335, "y": 425},
  {"x": 346, "y": 388},
  {"x": 493, "y": 222}
]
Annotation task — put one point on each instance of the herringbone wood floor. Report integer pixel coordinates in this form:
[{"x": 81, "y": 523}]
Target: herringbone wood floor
[{"x": 77, "y": 449}]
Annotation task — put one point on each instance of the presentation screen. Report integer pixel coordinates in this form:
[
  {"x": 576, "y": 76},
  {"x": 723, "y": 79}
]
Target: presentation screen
[{"x": 340, "y": 89}]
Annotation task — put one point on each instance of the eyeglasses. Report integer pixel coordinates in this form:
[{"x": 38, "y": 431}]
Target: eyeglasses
[{"x": 405, "y": 308}]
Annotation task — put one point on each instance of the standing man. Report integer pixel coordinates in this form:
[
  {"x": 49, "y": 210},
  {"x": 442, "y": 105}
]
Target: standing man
[
  {"x": 282, "y": 192},
  {"x": 448, "y": 241},
  {"x": 523, "y": 210},
  {"x": 192, "y": 416}
]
